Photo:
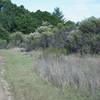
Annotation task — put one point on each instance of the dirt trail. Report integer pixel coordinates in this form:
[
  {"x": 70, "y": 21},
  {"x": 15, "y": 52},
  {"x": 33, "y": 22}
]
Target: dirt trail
[
  {"x": 3, "y": 88},
  {"x": 2, "y": 94}
]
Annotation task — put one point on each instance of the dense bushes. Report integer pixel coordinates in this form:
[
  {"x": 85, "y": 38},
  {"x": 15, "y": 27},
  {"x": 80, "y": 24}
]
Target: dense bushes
[
  {"x": 49, "y": 36},
  {"x": 3, "y": 43},
  {"x": 31, "y": 42},
  {"x": 90, "y": 25},
  {"x": 16, "y": 39},
  {"x": 55, "y": 51},
  {"x": 4, "y": 34},
  {"x": 46, "y": 30},
  {"x": 14, "y": 18}
]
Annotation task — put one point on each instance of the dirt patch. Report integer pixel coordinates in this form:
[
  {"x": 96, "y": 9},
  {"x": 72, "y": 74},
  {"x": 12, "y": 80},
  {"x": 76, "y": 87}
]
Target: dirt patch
[{"x": 4, "y": 93}]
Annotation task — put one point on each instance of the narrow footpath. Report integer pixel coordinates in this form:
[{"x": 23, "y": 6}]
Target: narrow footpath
[{"x": 4, "y": 94}]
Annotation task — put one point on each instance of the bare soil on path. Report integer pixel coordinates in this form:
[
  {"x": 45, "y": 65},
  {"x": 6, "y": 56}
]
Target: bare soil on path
[{"x": 3, "y": 92}]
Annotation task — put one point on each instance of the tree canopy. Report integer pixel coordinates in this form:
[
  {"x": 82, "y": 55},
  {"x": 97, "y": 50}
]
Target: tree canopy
[{"x": 44, "y": 29}]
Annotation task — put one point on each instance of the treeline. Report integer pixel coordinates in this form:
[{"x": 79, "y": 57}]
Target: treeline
[
  {"x": 13, "y": 18},
  {"x": 33, "y": 30}
]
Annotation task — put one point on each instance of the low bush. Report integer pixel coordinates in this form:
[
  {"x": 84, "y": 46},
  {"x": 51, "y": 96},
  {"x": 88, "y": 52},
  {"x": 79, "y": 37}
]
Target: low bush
[
  {"x": 4, "y": 34},
  {"x": 16, "y": 39},
  {"x": 31, "y": 42},
  {"x": 3, "y": 43},
  {"x": 55, "y": 51}
]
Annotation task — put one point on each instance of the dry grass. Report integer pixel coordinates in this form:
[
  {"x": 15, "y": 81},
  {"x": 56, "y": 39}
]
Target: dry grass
[
  {"x": 26, "y": 84},
  {"x": 72, "y": 70}
]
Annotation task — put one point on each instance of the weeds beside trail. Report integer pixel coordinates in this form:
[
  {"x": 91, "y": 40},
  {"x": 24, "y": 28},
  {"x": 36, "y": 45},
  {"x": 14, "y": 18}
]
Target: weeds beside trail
[
  {"x": 26, "y": 84},
  {"x": 76, "y": 71}
]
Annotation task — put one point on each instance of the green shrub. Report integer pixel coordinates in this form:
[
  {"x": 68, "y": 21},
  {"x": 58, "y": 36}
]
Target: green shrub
[
  {"x": 16, "y": 39},
  {"x": 90, "y": 25},
  {"x": 56, "y": 51},
  {"x": 4, "y": 34},
  {"x": 3, "y": 43},
  {"x": 95, "y": 44},
  {"x": 31, "y": 42}
]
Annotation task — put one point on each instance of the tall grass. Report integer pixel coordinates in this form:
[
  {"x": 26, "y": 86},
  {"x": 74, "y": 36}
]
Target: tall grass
[
  {"x": 26, "y": 84},
  {"x": 71, "y": 70}
]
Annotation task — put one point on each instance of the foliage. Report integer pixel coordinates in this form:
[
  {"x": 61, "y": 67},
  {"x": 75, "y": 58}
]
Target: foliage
[
  {"x": 48, "y": 30},
  {"x": 4, "y": 34},
  {"x": 3, "y": 43},
  {"x": 72, "y": 39},
  {"x": 14, "y": 18},
  {"x": 16, "y": 39},
  {"x": 57, "y": 13},
  {"x": 55, "y": 51},
  {"x": 91, "y": 24},
  {"x": 70, "y": 26},
  {"x": 31, "y": 42}
]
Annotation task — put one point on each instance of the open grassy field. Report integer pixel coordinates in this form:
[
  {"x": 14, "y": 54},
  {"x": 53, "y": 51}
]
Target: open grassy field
[{"x": 26, "y": 84}]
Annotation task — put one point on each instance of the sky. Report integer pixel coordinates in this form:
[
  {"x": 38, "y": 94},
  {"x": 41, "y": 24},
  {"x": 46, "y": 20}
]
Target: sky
[{"x": 75, "y": 10}]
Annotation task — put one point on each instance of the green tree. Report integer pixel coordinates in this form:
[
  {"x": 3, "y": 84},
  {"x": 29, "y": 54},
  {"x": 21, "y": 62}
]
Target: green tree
[
  {"x": 58, "y": 14},
  {"x": 4, "y": 34},
  {"x": 69, "y": 25},
  {"x": 91, "y": 24}
]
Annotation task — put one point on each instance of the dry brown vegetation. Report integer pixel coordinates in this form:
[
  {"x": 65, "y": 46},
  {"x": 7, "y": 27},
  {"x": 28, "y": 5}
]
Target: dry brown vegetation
[
  {"x": 73, "y": 76},
  {"x": 72, "y": 70}
]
